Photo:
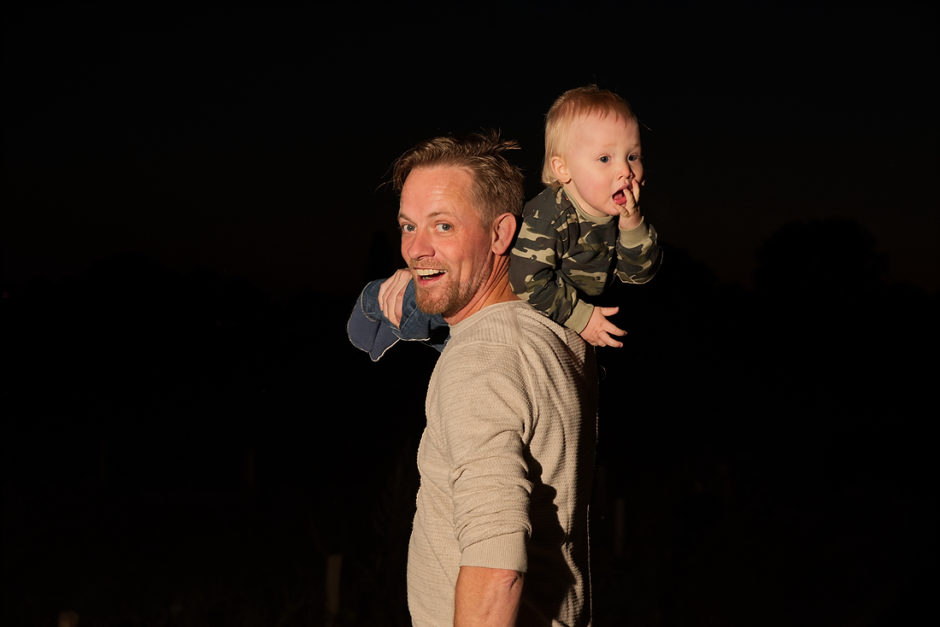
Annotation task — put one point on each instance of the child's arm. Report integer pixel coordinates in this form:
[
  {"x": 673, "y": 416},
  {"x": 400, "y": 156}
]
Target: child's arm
[
  {"x": 533, "y": 280},
  {"x": 638, "y": 252},
  {"x": 534, "y": 272},
  {"x": 372, "y": 330}
]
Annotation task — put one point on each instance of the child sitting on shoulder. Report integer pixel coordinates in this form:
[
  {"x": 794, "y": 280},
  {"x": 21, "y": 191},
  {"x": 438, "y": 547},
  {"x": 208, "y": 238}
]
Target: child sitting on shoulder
[
  {"x": 585, "y": 227},
  {"x": 581, "y": 231}
]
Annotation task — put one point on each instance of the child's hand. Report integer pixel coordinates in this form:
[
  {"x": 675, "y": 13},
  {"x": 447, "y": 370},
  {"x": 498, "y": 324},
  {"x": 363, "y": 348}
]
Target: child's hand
[
  {"x": 630, "y": 211},
  {"x": 392, "y": 293},
  {"x": 599, "y": 329}
]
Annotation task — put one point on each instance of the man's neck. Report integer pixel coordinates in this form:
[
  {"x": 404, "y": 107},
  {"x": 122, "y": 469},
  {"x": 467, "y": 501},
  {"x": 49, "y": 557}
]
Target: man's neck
[{"x": 495, "y": 290}]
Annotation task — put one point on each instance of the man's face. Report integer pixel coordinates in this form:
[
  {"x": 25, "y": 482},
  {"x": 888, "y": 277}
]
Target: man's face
[
  {"x": 443, "y": 240},
  {"x": 602, "y": 157}
]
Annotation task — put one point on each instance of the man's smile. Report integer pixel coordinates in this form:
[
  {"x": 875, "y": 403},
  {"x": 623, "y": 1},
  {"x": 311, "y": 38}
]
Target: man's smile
[{"x": 428, "y": 274}]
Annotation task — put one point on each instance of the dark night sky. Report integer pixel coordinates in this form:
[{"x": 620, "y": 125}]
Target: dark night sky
[
  {"x": 251, "y": 141},
  {"x": 192, "y": 198}
]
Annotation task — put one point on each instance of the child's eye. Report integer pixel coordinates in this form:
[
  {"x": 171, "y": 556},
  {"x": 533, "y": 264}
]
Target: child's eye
[
  {"x": 604, "y": 159},
  {"x": 633, "y": 158}
]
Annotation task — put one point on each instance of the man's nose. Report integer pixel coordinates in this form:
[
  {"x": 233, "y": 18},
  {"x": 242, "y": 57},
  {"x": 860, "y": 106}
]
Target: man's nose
[{"x": 418, "y": 245}]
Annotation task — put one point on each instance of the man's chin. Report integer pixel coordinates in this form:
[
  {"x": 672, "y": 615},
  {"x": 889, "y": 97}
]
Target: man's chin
[{"x": 427, "y": 304}]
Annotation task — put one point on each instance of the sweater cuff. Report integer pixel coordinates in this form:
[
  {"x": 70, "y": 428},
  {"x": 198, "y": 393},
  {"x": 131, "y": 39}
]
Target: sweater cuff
[
  {"x": 506, "y": 551},
  {"x": 636, "y": 236},
  {"x": 579, "y": 316}
]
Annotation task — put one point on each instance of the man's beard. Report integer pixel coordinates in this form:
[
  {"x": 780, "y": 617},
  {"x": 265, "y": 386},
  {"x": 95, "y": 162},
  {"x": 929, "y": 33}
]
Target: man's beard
[{"x": 454, "y": 298}]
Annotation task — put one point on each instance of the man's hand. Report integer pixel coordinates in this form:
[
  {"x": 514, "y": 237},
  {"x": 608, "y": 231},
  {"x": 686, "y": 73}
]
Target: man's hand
[
  {"x": 630, "y": 211},
  {"x": 392, "y": 293},
  {"x": 599, "y": 329}
]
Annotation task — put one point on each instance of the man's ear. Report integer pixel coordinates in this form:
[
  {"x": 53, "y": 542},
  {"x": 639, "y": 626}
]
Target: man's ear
[
  {"x": 560, "y": 170},
  {"x": 504, "y": 231}
]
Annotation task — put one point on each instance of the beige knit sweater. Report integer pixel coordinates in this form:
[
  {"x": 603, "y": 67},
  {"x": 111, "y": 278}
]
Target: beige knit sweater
[{"x": 506, "y": 461}]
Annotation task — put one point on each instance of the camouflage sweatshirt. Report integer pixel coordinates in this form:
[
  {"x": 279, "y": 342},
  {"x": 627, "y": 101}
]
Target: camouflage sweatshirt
[{"x": 563, "y": 255}]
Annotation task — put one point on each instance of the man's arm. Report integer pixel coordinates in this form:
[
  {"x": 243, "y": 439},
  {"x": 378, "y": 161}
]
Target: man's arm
[
  {"x": 370, "y": 329},
  {"x": 487, "y": 597},
  {"x": 483, "y": 394},
  {"x": 367, "y": 328}
]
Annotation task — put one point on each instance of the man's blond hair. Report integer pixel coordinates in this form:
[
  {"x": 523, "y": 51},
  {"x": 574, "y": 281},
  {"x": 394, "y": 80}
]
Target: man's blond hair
[
  {"x": 570, "y": 106},
  {"x": 497, "y": 184}
]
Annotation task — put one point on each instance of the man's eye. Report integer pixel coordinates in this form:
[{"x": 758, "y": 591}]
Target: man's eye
[
  {"x": 406, "y": 228},
  {"x": 444, "y": 227}
]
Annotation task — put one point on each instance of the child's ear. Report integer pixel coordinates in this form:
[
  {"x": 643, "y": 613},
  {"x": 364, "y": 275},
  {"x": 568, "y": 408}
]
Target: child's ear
[
  {"x": 504, "y": 231},
  {"x": 560, "y": 170}
]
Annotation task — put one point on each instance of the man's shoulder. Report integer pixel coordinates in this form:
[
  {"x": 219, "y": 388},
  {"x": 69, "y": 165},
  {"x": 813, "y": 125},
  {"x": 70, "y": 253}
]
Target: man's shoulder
[
  {"x": 508, "y": 340},
  {"x": 515, "y": 324}
]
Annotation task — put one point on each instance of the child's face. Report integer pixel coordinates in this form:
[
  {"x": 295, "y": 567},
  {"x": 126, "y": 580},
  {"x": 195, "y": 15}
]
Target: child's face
[{"x": 601, "y": 162}]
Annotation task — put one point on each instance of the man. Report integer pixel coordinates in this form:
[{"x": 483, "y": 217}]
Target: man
[{"x": 500, "y": 533}]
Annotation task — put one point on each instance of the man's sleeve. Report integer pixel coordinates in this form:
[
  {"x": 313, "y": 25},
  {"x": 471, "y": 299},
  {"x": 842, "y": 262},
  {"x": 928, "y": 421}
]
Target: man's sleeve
[
  {"x": 369, "y": 330},
  {"x": 488, "y": 413}
]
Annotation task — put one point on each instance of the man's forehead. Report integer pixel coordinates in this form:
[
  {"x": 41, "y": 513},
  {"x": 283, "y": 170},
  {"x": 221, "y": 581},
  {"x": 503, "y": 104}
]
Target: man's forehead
[
  {"x": 442, "y": 189},
  {"x": 439, "y": 175}
]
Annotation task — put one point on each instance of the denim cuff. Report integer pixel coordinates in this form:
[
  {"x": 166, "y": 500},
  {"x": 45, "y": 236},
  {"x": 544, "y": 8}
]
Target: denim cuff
[{"x": 369, "y": 330}]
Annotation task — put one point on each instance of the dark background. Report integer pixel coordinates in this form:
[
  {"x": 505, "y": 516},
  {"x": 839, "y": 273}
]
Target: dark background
[{"x": 193, "y": 197}]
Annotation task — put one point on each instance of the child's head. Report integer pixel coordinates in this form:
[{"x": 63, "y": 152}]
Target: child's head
[
  {"x": 573, "y": 105},
  {"x": 592, "y": 149}
]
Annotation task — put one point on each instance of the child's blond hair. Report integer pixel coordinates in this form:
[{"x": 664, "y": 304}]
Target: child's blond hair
[{"x": 571, "y": 105}]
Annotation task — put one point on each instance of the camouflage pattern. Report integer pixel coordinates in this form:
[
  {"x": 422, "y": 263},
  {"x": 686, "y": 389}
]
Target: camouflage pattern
[{"x": 563, "y": 257}]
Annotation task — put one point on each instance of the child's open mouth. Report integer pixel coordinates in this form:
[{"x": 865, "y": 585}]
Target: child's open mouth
[{"x": 620, "y": 198}]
